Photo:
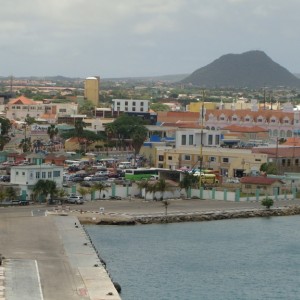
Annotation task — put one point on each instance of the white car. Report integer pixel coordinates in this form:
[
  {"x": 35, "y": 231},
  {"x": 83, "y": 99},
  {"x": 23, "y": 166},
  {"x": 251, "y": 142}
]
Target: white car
[
  {"x": 88, "y": 178},
  {"x": 75, "y": 199}
]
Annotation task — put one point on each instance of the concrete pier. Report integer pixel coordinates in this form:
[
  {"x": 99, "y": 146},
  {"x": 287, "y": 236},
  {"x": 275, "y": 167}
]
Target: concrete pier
[{"x": 49, "y": 257}]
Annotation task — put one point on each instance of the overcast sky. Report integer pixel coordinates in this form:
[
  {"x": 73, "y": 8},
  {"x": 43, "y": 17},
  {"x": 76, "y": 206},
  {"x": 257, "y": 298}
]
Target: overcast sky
[{"x": 129, "y": 38}]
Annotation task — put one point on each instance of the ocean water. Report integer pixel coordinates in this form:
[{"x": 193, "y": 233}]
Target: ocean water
[{"x": 256, "y": 258}]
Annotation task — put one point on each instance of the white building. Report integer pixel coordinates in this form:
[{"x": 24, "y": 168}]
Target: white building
[
  {"x": 130, "y": 105},
  {"x": 27, "y": 176},
  {"x": 189, "y": 137}
]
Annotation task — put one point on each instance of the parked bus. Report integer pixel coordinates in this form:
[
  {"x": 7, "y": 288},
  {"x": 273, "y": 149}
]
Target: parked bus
[{"x": 139, "y": 174}]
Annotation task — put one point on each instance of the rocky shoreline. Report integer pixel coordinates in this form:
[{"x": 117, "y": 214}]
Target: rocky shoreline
[{"x": 197, "y": 217}]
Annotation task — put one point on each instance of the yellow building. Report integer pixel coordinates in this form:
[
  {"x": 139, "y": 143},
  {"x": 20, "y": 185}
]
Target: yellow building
[
  {"x": 92, "y": 89},
  {"x": 229, "y": 162},
  {"x": 197, "y": 106}
]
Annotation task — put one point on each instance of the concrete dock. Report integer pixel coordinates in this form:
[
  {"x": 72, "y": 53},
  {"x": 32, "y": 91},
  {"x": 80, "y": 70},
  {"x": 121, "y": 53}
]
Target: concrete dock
[{"x": 49, "y": 257}]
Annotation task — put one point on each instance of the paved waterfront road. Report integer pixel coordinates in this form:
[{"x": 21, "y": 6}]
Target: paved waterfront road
[{"x": 35, "y": 242}]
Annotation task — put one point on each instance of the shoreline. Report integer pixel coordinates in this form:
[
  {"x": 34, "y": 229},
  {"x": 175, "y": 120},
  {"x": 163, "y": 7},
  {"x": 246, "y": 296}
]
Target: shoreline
[{"x": 94, "y": 218}]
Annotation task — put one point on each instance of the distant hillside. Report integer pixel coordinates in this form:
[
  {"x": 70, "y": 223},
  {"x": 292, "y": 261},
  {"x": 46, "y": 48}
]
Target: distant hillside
[
  {"x": 253, "y": 69},
  {"x": 164, "y": 78}
]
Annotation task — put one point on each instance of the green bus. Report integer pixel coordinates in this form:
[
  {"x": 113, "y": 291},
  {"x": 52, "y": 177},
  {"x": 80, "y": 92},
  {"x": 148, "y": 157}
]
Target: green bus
[{"x": 139, "y": 174}]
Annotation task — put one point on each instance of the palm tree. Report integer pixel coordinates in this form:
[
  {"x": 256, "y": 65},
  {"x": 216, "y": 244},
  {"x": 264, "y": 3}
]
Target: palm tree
[
  {"x": 188, "y": 181},
  {"x": 162, "y": 186},
  {"x": 144, "y": 184},
  {"x": 138, "y": 136},
  {"x": 61, "y": 194},
  {"x": 45, "y": 187},
  {"x": 25, "y": 144},
  {"x": 84, "y": 191},
  {"x": 166, "y": 203},
  {"x": 99, "y": 186},
  {"x": 52, "y": 131}
]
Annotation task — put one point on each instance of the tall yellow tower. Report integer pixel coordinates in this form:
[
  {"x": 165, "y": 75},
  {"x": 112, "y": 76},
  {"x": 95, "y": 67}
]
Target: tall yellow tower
[{"x": 91, "y": 89}]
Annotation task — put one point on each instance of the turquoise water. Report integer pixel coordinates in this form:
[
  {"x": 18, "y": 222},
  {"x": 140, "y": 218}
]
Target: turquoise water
[{"x": 230, "y": 259}]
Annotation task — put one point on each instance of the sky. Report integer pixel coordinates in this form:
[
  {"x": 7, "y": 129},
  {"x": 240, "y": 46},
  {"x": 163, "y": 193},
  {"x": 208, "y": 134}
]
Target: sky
[{"x": 133, "y": 38}]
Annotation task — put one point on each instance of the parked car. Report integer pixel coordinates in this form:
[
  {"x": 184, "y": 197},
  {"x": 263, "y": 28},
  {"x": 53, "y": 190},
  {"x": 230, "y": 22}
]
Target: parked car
[{"x": 75, "y": 200}]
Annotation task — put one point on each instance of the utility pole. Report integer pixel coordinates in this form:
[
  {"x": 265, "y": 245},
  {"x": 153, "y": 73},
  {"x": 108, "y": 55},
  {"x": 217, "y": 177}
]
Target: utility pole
[{"x": 201, "y": 140}]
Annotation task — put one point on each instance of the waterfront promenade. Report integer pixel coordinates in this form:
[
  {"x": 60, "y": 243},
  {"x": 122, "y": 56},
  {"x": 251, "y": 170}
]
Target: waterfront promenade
[{"x": 50, "y": 256}]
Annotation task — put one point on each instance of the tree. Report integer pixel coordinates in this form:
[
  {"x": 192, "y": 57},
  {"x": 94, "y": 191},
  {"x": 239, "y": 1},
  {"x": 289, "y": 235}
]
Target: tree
[
  {"x": 25, "y": 144},
  {"x": 188, "y": 181},
  {"x": 61, "y": 194},
  {"x": 269, "y": 168},
  {"x": 45, "y": 187},
  {"x": 83, "y": 191},
  {"x": 52, "y": 131},
  {"x": 87, "y": 108},
  {"x": 29, "y": 120},
  {"x": 2, "y": 193},
  {"x": 139, "y": 135},
  {"x": 10, "y": 193},
  {"x": 79, "y": 126},
  {"x": 161, "y": 186},
  {"x": 159, "y": 107},
  {"x": 5, "y": 126},
  {"x": 166, "y": 203},
  {"x": 267, "y": 202},
  {"x": 99, "y": 186}
]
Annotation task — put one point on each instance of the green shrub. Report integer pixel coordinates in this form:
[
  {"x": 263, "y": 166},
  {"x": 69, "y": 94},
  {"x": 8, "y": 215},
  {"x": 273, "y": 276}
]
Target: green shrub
[{"x": 267, "y": 202}]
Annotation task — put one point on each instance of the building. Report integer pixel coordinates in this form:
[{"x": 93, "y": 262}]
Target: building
[
  {"x": 92, "y": 89},
  {"x": 229, "y": 162},
  {"x": 27, "y": 176},
  {"x": 130, "y": 105}
]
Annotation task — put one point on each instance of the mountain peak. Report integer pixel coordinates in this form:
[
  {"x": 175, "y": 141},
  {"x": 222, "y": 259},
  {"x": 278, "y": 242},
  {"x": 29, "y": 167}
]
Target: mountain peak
[{"x": 252, "y": 69}]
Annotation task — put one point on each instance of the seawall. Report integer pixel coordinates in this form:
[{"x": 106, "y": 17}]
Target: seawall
[{"x": 189, "y": 217}]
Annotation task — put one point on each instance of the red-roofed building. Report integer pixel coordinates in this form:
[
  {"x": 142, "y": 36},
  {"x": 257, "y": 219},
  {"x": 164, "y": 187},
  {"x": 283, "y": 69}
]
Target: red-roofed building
[{"x": 266, "y": 185}]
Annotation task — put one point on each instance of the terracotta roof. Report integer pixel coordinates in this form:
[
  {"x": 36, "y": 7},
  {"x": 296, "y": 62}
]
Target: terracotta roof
[
  {"x": 252, "y": 129},
  {"x": 292, "y": 141},
  {"x": 285, "y": 152},
  {"x": 259, "y": 180},
  {"x": 22, "y": 100}
]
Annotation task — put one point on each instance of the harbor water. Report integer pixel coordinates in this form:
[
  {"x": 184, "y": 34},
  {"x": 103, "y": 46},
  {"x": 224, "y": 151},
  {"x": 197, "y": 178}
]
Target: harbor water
[{"x": 256, "y": 258}]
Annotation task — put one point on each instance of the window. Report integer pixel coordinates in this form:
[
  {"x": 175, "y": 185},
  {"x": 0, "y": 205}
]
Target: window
[
  {"x": 49, "y": 174},
  {"x": 210, "y": 139},
  {"x": 142, "y": 109},
  {"x": 191, "y": 139},
  {"x": 248, "y": 186},
  {"x": 133, "y": 109},
  {"x": 187, "y": 157},
  {"x": 234, "y": 119},
  {"x": 142, "y": 103},
  {"x": 62, "y": 110},
  {"x": 259, "y": 120},
  {"x": 286, "y": 121},
  {"x": 23, "y": 173},
  {"x": 222, "y": 118},
  {"x": 126, "y": 108},
  {"x": 288, "y": 162},
  {"x": 296, "y": 161},
  {"x": 133, "y": 103},
  {"x": 37, "y": 175},
  {"x": 43, "y": 174},
  {"x": 126, "y": 102},
  {"x": 217, "y": 139},
  {"x": 25, "y": 107},
  {"x": 183, "y": 139},
  {"x": 257, "y": 159},
  {"x": 212, "y": 158},
  {"x": 56, "y": 173},
  {"x": 169, "y": 157},
  {"x": 283, "y": 162},
  {"x": 273, "y": 121},
  {"x": 225, "y": 160},
  {"x": 160, "y": 157},
  {"x": 247, "y": 120},
  {"x": 17, "y": 173}
]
